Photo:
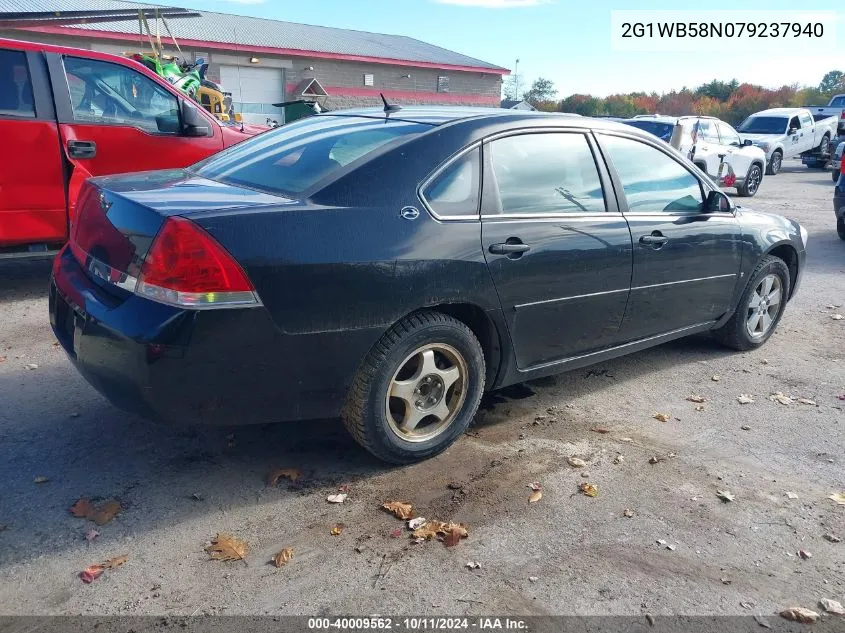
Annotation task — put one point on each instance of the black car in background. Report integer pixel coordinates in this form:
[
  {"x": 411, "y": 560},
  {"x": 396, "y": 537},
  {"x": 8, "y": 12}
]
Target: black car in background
[{"x": 389, "y": 267}]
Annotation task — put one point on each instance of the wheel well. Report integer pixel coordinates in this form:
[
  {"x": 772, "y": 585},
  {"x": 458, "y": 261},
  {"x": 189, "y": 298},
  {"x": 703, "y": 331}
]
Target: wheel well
[
  {"x": 778, "y": 151},
  {"x": 790, "y": 257},
  {"x": 484, "y": 329}
]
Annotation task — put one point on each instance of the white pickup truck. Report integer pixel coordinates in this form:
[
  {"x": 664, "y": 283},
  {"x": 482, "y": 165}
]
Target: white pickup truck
[{"x": 789, "y": 132}]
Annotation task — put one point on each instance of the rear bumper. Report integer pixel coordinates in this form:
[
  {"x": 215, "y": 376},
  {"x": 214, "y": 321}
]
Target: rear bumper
[{"x": 213, "y": 366}]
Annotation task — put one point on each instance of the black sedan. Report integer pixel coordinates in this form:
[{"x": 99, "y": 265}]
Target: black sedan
[{"x": 388, "y": 267}]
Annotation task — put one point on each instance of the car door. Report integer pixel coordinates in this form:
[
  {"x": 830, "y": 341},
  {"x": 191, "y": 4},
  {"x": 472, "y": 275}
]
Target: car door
[
  {"x": 32, "y": 187},
  {"x": 707, "y": 148},
  {"x": 686, "y": 261},
  {"x": 114, "y": 119},
  {"x": 731, "y": 145},
  {"x": 807, "y": 136},
  {"x": 793, "y": 143},
  {"x": 556, "y": 245}
]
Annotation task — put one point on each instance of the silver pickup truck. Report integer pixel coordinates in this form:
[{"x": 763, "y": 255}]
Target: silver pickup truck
[
  {"x": 790, "y": 132},
  {"x": 836, "y": 108}
]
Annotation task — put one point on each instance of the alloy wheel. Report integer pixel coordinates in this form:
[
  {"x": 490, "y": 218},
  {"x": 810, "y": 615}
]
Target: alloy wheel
[
  {"x": 776, "y": 163},
  {"x": 753, "y": 180},
  {"x": 427, "y": 392},
  {"x": 764, "y": 306}
]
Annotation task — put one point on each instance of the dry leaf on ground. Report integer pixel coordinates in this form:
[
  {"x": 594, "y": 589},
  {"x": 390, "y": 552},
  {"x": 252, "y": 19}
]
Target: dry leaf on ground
[
  {"x": 725, "y": 495},
  {"x": 745, "y": 398},
  {"x": 338, "y": 498},
  {"x": 91, "y": 573},
  {"x": 453, "y": 537},
  {"x": 396, "y": 533},
  {"x": 82, "y": 508},
  {"x": 117, "y": 561},
  {"x": 227, "y": 547},
  {"x": 535, "y": 485},
  {"x": 101, "y": 514},
  {"x": 535, "y": 496},
  {"x": 283, "y": 557},
  {"x": 662, "y": 417},
  {"x": 576, "y": 462},
  {"x": 799, "y": 614},
  {"x": 804, "y": 554},
  {"x": 780, "y": 397},
  {"x": 588, "y": 489},
  {"x": 399, "y": 509},
  {"x": 807, "y": 401},
  {"x": 275, "y": 476},
  {"x": 832, "y": 606},
  {"x": 838, "y": 497},
  {"x": 698, "y": 399},
  {"x": 337, "y": 530},
  {"x": 430, "y": 530},
  {"x": 3, "y": 359},
  {"x": 91, "y": 535},
  {"x": 599, "y": 429}
]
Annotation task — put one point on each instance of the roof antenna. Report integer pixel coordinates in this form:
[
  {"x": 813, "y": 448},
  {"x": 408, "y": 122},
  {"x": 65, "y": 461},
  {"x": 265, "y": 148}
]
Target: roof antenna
[{"x": 389, "y": 107}]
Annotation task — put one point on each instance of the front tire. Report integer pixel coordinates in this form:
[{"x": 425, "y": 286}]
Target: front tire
[
  {"x": 752, "y": 182},
  {"x": 417, "y": 390},
  {"x": 775, "y": 163},
  {"x": 760, "y": 307}
]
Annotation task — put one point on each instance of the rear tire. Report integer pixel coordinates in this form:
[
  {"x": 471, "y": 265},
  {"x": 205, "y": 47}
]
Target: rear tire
[
  {"x": 775, "y": 163},
  {"x": 840, "y": 227},
  {"x": 736, "y": 333},
  {"x": 752, "y": 182},
  {"x": 417, "y": 390}
]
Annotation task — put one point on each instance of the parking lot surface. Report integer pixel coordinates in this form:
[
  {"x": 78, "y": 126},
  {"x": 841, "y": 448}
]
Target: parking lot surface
[{"x": 681, "y": 549}]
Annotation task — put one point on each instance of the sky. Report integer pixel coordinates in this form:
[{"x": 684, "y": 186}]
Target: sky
[{"x": 567, "y": 41}]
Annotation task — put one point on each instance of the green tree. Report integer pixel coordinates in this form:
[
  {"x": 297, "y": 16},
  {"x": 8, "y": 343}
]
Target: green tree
[
  {"x": 541, "y": 90},
  {"x": 719, "y": 90},
  {"x": 830, "y": 81},
  {"x": 585, "y": 105}
]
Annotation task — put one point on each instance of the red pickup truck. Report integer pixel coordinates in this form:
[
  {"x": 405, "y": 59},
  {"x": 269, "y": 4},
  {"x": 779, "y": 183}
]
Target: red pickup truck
[{"x": 67, "y": 114}]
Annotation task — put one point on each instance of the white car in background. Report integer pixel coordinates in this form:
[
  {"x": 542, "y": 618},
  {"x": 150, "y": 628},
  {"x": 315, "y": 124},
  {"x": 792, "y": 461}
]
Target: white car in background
[
  {"x": 787, "y": 132},
  {"x": 713, "y": 145}
]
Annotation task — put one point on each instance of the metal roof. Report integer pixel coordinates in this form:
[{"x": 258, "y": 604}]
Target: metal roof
[{"x": 246, "y": 31}]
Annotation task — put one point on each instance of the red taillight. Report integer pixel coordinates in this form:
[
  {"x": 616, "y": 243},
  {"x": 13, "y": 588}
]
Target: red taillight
[
  {"x": 187, "y": 267},
  {"x": 842, "y": 116}
]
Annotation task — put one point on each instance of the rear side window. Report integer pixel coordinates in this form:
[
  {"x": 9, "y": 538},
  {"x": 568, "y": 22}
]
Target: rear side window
[
  {"x": 297, "y": 156},
  {"x": 455, "y": 190},
  {"x": 15, "y": 86},
  {"x": 112, "y": 94},
  {"x": 546, "y": 173},
  {"x": 653, "y": 181}
]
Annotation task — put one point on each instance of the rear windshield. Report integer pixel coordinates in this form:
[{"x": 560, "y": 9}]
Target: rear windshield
[
  {"x": 295, "y": 157},
  {"x": 660, "y": 130},
  {"x": 837, "y": 102},
  {"x": 763, "y": 125}
]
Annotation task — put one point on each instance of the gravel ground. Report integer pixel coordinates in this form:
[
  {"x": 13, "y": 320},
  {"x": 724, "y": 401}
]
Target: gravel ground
[{"x": 683, "y": 550}]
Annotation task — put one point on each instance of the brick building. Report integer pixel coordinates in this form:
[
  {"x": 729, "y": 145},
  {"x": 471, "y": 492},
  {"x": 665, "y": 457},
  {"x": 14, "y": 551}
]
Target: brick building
[{"x": 263, "y": 61}]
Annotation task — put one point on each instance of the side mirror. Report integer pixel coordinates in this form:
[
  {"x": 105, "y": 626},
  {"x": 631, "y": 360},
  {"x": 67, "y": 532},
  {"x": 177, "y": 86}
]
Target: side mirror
[
  {"x": 193, "y": 123},
  {"x": 718, "y": 202},
  {"x": 791, "y": 131},
  {"x": 747, "y": 143}
]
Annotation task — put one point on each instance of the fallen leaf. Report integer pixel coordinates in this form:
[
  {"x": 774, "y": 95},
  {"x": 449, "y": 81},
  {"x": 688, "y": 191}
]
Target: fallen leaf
[
  {"x": 91, "y": 535},
  {"x": 804, "y": 554},
  {"x": 599, "y": 429},
  {"x": 283, "y": 557},
  {"x": 3, "y": 359},
  {"x": 791, "y": 495},
  {"x": 430, "y": 530},
  {"x": 473, "y": 565},
  {"x": 662, "y": 417},
  {"x": 837, "y": 317},
  {"x": 781, "y": 398},
  {"x": 41, "y": 480},
  {"x": 338, "y": 498},
  {"x": 275, "y": 476},
  {"x": 627, "y": 513},
  {"x": 745, "y": 398},
  {"x": 396, "y": 533},
  {"x": 227, "y": 547},
  {"x": 32, "y": 366},
  {"x": 343, "y": 488},
  {"x": 832, "y": 606},
  {"x": 725, "y": 496},
  {"x": 117, "y": 561},
  {"x": 82, "y": 508},
  {"x": 588, "y": 489},
  {"x": 452, "y": 538},
  {"x": 838, "y": 497},
  {"x": 399, "y": 509},
  {"x": 799, "y": 614},
  {"x": 807, "y": 401},
  {"x": 576, "y": 462},
  {"x": 832, "y": 538},
  {"x": 90, "y": 574},
  {"x": 535, "y": 496},
  {"x": 698, "y": 399},
  {"x": 535, "y": 485},
  {"x": 104, "y": 513},
  {"x": 618, "y": 459},
  {"x": 337, "y": 530},
  {"x": 700, "y": 407},
  {"x": 716, "y": 378},
  {"x": 413, "y": 524}
]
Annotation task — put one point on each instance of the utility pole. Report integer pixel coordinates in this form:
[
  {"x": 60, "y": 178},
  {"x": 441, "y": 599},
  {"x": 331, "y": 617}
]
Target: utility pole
[{"x": 516, "y": 80}]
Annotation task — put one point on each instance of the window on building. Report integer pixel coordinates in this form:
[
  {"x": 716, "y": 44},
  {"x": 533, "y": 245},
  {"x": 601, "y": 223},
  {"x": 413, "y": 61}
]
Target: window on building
[
  {"x": 442, "y": 83},
  {"x": 368, "y": 79}
]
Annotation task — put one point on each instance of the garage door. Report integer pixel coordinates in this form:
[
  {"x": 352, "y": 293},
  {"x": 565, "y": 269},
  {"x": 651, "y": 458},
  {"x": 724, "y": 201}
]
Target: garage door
[{"x": 253, "y": 90}]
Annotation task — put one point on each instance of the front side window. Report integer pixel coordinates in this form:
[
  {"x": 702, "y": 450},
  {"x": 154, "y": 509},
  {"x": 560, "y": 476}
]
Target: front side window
[
  {"x": 546, "y": 173},
  {"x": 296, "y": 156},
  {"x": 455, "y": 190},
  {"x": 728, "y": 134},
  {"x": 653, "y": 181},
  {"x": 106, "y": 93},
  {"x": 706, "y": 131},
  {"x": 794, "y": 123},
  {"x": 15, "y": 86}
]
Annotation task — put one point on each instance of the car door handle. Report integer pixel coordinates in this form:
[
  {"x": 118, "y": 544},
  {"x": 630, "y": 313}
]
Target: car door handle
[
  {"x": 513, "y": 248},
  {"x": 81, "y": 149},
  {"x": 655, "y": 240}
]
